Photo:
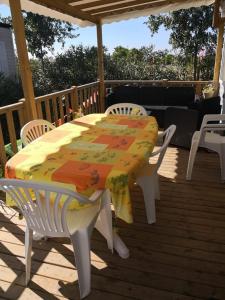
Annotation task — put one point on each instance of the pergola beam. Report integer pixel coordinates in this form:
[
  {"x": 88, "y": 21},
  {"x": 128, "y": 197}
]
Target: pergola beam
[
  {"x": 25, "y": 71},
  {"x": 129, "y": 8},
  {"x": 110, "y": 4},
  {"x": 70, "y": 10}
]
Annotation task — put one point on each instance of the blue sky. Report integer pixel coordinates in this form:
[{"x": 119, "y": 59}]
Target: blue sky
[{"x": 131, "y": 34}]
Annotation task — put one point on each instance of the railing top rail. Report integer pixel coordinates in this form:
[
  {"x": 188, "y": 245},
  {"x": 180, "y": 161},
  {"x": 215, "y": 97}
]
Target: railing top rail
[
  {"x": 87, "y": 85},
  {"x": 39, "y": 98},
  {"x": 161, "y": 81},
  {"x": 11, "y": 107}
]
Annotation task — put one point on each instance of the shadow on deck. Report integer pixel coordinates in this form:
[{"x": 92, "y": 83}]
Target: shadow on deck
[{"x": 182, "y": 256}]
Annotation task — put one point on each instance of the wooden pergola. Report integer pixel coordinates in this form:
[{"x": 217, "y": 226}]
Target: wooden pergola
[{"x": 98, "y": 12}]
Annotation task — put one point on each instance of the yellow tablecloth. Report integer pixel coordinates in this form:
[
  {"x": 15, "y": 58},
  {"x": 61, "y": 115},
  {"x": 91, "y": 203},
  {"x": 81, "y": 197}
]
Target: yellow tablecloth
[{"x": 93, "y": 152}]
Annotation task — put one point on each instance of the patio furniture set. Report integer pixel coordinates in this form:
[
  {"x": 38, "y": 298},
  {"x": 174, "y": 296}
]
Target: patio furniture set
[
  {"x": 65, "y": 179},
  {"x": 178, "y": 105}
]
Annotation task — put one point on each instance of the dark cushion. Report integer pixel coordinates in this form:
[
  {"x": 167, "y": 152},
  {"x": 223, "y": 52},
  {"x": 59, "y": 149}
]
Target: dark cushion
[
  {"x": 151, "y": 95},
  {"x": 208, "y": 106},
  {"x": 128, "y": 94},
  {"x": 179, "y": 96},
  {"x": 186, "y": 121},
  {"x": 159, "y": 115}
]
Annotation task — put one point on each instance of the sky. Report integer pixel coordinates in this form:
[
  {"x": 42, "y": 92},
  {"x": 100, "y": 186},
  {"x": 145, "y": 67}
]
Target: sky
[{"x": 131, "y": 34}]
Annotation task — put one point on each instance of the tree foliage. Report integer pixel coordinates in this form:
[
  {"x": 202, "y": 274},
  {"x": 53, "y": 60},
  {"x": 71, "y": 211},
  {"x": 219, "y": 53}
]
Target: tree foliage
[
  {"x": 191, "y": 33},
  {"x": 43, "y": 32},
  {"x": 10, "y": 90}
]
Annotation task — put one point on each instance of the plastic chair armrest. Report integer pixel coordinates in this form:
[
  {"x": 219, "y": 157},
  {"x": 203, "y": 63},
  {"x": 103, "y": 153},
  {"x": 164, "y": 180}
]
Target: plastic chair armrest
[{"x": 95, "y": 196}]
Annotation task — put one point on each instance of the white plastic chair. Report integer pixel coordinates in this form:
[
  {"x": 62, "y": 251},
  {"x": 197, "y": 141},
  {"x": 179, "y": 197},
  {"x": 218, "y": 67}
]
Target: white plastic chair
[
  {"x": 208, "y": 138},
  {"x": 46, "y": 216},
  {"x": 34, "y": 129},
  {"x": 148, "y": 178},
  {"x": 126, "y": 109}
]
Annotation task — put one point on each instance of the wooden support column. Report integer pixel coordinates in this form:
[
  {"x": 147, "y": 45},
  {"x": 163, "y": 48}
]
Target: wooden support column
[
  {"x": 219, "y": 49},
  {"x": 25, "y": 71},
  {"x": 101, "y": 68}
]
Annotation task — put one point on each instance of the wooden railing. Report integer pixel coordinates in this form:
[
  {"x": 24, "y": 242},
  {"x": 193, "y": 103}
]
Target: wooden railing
[
  {"x": 59, "y": 107},
  {"x": 88, "y": 97},
  {"x": 12, "y": 118}
]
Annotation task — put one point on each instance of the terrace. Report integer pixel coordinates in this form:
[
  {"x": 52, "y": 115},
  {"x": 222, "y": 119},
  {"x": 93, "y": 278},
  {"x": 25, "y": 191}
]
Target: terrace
[{"x": 181, "y": 256}]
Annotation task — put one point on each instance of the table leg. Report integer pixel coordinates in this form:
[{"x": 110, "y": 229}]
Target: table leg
[
  {"x": 105, "y": 226},
  {"x": 120, "y": 246}
]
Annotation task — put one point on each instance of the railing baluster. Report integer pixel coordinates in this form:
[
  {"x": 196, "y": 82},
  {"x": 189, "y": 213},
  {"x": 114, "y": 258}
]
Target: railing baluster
[
  {"x": 47, "y": 110},
  {"x": 21, "y": 116},
  {"x": 61, "y": 112},
  {"x": 11, "y": 129},
  {"x": 3, "y": 157},
  {"x": 39, "y": 110},
  {"x": 55, "y": 111},
  {"x": 67, "y": 106}
]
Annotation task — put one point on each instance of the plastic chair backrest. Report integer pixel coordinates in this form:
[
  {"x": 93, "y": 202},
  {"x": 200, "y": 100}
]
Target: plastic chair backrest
[
  {"x": 126, "y": 109},
  {"x": 41, "y": 204},
  {"x": 218, "y": 120},
  {"x": 217, "y": 123},
  {"x": 34, "y": 129},
  {"x": 167, "y": 135}
]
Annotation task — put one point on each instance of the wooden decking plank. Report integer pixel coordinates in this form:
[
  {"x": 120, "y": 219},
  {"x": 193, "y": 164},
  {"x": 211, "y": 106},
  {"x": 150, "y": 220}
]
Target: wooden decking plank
[{"x": 179, "y": 257}]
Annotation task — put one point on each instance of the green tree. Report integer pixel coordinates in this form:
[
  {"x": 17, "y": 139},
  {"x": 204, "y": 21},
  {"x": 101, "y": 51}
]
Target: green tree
[
  {"x": 191, "y": 33},
  {"x": 42, "y": 33}
]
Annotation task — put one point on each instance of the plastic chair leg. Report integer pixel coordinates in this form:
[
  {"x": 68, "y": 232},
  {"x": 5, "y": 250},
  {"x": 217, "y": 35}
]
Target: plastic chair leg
[
  {"x": 28, "y": 249},
  {"x": 156, "y": 186},
  {"x": 81, "y": 246},
  {"x": 147, "y": 185},
  {"x": 104, "y": 221},
  {"x": 192, "y": 155}
]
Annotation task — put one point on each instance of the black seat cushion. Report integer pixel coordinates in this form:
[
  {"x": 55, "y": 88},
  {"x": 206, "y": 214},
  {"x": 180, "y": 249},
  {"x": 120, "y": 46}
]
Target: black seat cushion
[
  {"x": 152, "y": 95},
  {"x": 186, "y": 121},
  {"x": 208, "y": 106},
  {"x": 179, "y": 96}
]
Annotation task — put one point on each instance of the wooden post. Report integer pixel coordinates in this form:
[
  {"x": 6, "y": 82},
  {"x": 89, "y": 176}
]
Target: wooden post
[
  {"x": 219, "y": 49},
  {"x": 101, "y": 68},
  {"x": 25, "y": 71}
]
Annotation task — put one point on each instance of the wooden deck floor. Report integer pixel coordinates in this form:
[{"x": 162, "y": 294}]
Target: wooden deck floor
[{"x": 182, "y": 256}]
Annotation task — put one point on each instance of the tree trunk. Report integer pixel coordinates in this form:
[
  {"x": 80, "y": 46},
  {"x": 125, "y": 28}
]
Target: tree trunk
[
  {"x": 195, "y": 66},
  {"x": 42, "y": 60},
  {"x": 195, "y": 62}
]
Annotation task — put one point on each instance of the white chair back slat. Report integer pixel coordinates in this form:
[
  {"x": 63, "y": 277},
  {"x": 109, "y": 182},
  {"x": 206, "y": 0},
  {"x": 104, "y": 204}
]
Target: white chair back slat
[
  {"x": 43, "y": 214},
  {"x": 48, "y": 211},
  {"x": 166, "y": 135},
  {"x": 64, "y": 210},
  {"x": 34, "y": 129},
  {"x": 57, "y": 221},
  {"x": 126, "y": 109},
  {"x": 40, "y": 210}
]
